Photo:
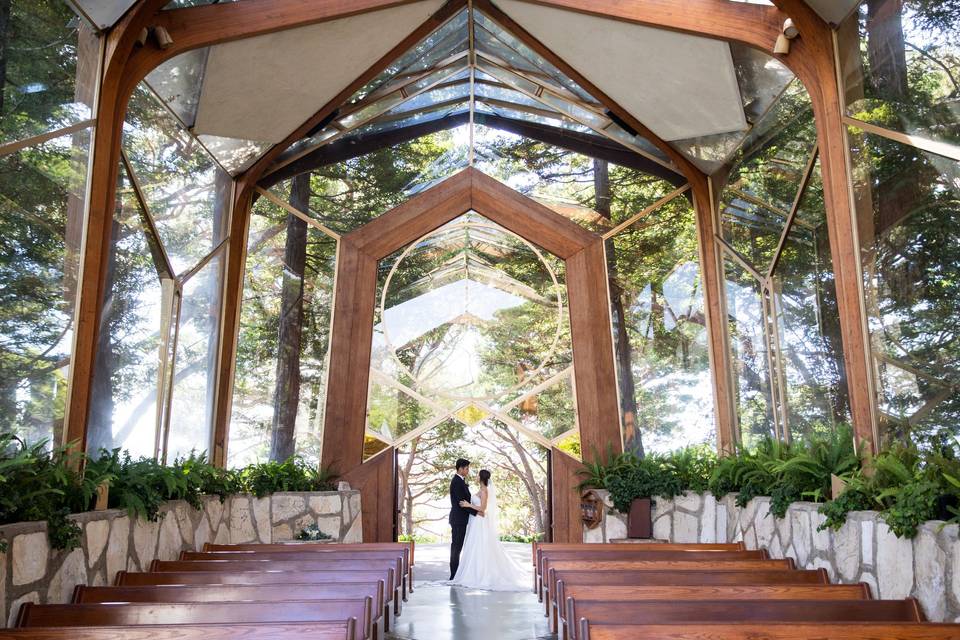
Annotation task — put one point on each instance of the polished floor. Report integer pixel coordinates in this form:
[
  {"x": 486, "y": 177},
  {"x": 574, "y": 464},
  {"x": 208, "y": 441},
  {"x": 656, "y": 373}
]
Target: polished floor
[{"x": 437, "y": 611}]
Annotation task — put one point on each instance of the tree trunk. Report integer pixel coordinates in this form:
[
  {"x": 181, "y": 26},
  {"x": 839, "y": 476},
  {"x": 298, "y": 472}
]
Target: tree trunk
[
  {"x": 100, "y": 422},
  {"x": 4, "y": 31},
  {"x": 287, "y": 392},
  {"x": 633, "y": 440}
]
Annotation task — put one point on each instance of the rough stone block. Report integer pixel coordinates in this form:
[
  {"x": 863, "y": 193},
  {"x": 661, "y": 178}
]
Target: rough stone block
[
  {"x": 183, "y": 513},
  {"x": 354, "y": 504},
  {"x": 871, "y": 580},
  {"x": 784, "y": 529},
  {"x": 593, "y": 536},
  {"x": 33, "y": 596},
  {"x": 145, "y": 536},
  {"x": 118, "y": 546},
  {"x": 823, "y": 563},
  {"x": 285, "y": 507},
  {"x": 822, "y": 536},
  {"x": 662, "y": 529},
  {"x": 170, "y": 541},
  {"x": 29, "y": 553},
  {"x": 96, "y": 534},
  {"x": 282, "y": 533},
  {"x": 616, "y": 526},
  {"x": 802, "y": 539},
  {"x": 3, "y": 585},
  {"x": 685, "y": 527},
  {"x": 846, "y": 550},
  {"x": 708, "y": 524},
  {"x": 750, "y": 538},
  {"x": 894, "y": 564},
  {"x": 241, "y": 528},
  {"x": 775, "y": 549},
  {"x": 930, "y": 569},
  {"x": 202, "y": 535},
  {"x": 214, "y": 509},
  {"x": 721, "y": 523},
  {"x": 689, "y": 501},
  {"x": 72, "y": 571},
  {"x": 765, "y": 527},
  {"x": 355, "y": 534},
  {"x": 328, "y": 504},
  {"x": 867, "y": 528},
  {"x": 261, "y": 515}
]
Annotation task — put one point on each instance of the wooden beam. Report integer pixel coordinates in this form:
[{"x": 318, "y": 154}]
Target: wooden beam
[
  {"x": 114, "y": 94},
  {"x": 566, "y": 524},
  {"x": 598, "y": 406},
  {"x": 350, "y": 345},
  {"x": 376, "y": 480}
]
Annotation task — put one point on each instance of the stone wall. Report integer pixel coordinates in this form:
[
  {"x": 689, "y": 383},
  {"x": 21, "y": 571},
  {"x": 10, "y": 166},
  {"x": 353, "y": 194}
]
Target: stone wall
[
  {"x": 863, "y": 550},
  {"x": 30, "y": 571}
]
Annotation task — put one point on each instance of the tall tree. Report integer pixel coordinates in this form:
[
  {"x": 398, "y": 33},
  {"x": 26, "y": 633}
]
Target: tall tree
[{"x": 286, "y": 397}]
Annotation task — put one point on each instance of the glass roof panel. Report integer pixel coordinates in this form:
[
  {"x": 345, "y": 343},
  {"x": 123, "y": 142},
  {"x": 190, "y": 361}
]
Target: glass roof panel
[{"x": 177, "y": 82}]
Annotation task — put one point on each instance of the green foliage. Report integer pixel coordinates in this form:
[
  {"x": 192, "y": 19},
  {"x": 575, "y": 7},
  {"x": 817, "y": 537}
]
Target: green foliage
[
  {"x": 39, "y": 484},
  {"x": 312, "y": 532},
  {"x": 512, "y": 537}
]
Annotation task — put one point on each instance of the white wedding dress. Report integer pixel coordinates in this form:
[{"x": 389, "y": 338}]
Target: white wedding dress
[{"x": 484, "y": 564}]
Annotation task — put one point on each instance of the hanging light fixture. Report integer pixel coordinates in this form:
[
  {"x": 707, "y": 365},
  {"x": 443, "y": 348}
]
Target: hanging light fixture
[{"x": 788, "y": 33}]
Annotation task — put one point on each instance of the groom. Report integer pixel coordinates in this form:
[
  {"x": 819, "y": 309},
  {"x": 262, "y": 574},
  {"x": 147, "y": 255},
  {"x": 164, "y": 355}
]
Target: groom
[{"x": 459, "y": 515}]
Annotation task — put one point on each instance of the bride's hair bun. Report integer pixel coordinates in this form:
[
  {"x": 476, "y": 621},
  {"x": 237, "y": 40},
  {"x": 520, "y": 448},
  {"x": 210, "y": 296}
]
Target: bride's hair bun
[{"x": 484, "y": 477}]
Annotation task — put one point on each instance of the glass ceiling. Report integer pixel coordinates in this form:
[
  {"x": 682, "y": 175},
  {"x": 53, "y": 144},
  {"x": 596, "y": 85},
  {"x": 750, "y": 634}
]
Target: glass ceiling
[{"x": 471, "y": 65}]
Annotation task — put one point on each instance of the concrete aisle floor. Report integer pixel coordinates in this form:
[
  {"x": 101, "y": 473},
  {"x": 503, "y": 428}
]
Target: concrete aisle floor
[{"x": 436, "y": 611}]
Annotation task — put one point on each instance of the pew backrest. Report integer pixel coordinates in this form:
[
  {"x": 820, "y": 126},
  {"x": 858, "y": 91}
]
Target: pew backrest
[
  {"x": 662, "y": 546},
  {"x": 270, "y": 631},
  {"x": 772, "y": 631},
  {"x": 407, "y": 547},
  {"x": 289, "y": 578}
]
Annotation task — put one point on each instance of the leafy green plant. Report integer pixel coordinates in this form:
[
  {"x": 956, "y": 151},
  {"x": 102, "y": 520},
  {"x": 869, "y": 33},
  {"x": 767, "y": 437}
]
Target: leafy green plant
[
  {"x": 292, "y": 474},
  {"x": 313, "y": 532},
  {"x": 597, "y": 474}
]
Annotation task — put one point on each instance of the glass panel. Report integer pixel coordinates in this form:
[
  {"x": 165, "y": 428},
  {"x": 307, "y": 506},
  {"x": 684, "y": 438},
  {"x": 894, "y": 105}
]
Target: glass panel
[
  {"x": 104, "y": 13},
  {"x": 552, "y": 412},
  {"x": 659, "y": 332},
  {"x": 191, "y": 413},
  {"x": 41, "y": 211},
  {"x": 808, "y": 322},
  {"x": 901, "y": 67},
  {"x": 234, "y": 154},
  {"x": 177, "y": 82},
  {"x": 749, "y": 355},
  {"x": 768, "y": 170},
  {"x": 372, "y": 446},
  {"x": 280, "y": 247},
  {"x": 179, "y": 180},
  {"x": 123, "y": 408},
  {"x": 49, "y": 70},
  {"x": 907, "y": 210},
  {"x": 392, "y": 413}
]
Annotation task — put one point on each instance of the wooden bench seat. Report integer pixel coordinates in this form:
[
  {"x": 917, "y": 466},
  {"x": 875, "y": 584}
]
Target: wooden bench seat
[
  {"x": 83, "y": 594},
  {"x": 773, "y": 631},
  {"x": 407, "y": 548},
  {"x": 545, "y": 556},
  {"x": 614, "y": 577},
  {"x": 269, "y": 631},
  {"x": 647, "y": 612},
  {"x": 397, "y": 556},
  {"x": 660, "y": 546},
  {"x": 287, "y": 579},
  {"x": 124, "y": 615}
]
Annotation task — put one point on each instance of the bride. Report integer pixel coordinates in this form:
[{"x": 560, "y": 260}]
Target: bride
[{"x": 484, "y": 564}]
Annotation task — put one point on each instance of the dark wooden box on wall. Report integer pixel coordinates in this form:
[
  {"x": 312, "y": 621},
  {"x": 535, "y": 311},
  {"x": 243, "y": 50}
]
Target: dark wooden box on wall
[
  {"x": 591, "y": 509},
  {"x": 639, "y": 521}
]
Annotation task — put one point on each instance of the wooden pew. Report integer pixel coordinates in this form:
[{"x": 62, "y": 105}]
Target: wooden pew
[
  {"x": 296, "y": 546},
  {"x": 619, "y": 577},
  {"x": 286, "y": 578},
  {"x": 124, "y": 615},
  {"x": 269, "y": 631},
  {"x": 610, "y": 554},
  {"x": 83, "y": 594},
  {"x": 773, "y": 631},
  {"x": 650, "y": 612},
  {"x": 397, "y": 555},
  {"x": 661, "y": 546}
]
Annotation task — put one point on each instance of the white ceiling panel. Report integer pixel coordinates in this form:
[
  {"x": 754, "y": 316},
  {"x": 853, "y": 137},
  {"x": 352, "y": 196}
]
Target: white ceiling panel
[
  {"x": 104, "y": 13},
  {"x": 679, "y": 86},
  {"x": 265, "y": 87},
  {"x": 833, "y": 11}
]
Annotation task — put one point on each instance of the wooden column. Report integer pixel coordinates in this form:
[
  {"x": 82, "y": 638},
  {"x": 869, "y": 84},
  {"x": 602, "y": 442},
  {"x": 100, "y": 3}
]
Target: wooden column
[
  {"x": 565, "y": 523},
  {"x": 115, "y": 89},
  {"x": 377, "y": 481},
  {"x": 598, "y": 407},
  {"x": 813, "y": 60}
]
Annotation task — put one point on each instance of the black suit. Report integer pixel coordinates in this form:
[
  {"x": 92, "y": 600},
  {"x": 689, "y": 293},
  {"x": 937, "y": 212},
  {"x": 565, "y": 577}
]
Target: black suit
[{"x": 459, "y": 516}]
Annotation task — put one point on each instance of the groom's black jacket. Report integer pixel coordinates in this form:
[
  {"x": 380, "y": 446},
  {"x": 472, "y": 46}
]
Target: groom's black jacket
[{"x": 459, "y": 491}]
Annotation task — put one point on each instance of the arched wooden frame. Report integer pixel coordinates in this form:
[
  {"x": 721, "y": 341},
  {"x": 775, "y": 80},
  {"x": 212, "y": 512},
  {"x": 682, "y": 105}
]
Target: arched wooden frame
[
  {"x": 126, "y": 63},
  {"x": 353, "y": 317}
]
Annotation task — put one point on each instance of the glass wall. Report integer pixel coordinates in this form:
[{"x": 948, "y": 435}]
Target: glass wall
[
  {"x": 901, "y": 62},
  {"x": 280, "y": 383},
  {"x": 783, "y": 329},
  {"x": 50, "y": 63},
  {"x": 155, "y": 369}
]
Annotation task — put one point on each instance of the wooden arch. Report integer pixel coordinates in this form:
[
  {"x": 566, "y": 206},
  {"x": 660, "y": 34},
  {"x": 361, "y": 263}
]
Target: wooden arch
[{"x": 360, "y": 251}]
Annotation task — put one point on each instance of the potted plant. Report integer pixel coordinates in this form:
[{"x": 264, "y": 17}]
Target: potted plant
[{"x": 312, "y": 533}]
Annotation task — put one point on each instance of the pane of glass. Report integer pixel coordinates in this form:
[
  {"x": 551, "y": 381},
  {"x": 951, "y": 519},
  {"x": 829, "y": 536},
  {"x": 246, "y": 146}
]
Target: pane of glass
[
  {"x": 234, "y": 154},
  {"x": 901, "y": 67},
  {"x": 123, "y": 408},
  {"x": 191, "y": 412},
  {"x": 392, "y": 412},
  {"x": 290, "y": 273},
  {"x": 186, "y": 192},
  {"x": 570, "y": 444},
  {"x": 372, "y": 446},
  {"x": 768, "y": 170},
  {"x": 104, "y": 13},
  {"x": 909, "y": 235},
  {"x": 50, "y": 64},
  {"x": 749, "y": 354},
  {"x": 177, "y": 82},
  {"x": 659, "y": 331},
  {"x": 42, "y": 214},
  {"x": 551, "y": 412},
  {"x": 808, "y": 323}
]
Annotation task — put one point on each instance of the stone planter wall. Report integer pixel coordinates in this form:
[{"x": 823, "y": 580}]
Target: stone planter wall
[
  {"x": 30, "y": 571},
  {"x": 863, "y": 550}
]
